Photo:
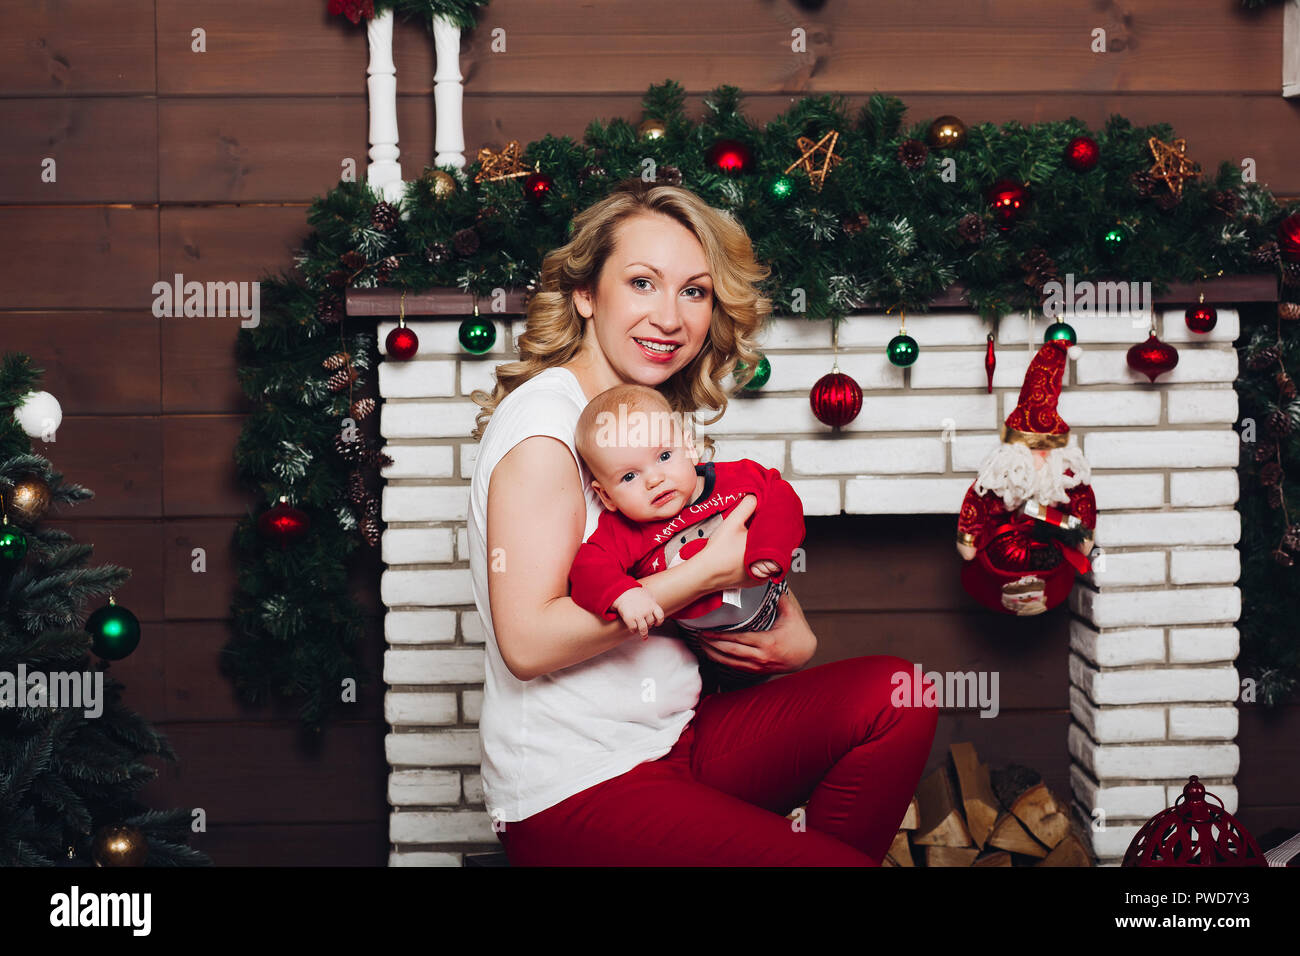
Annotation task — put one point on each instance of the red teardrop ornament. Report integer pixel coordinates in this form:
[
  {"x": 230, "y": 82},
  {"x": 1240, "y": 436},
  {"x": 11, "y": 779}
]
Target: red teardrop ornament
[{"x": 1152, "y": 357}]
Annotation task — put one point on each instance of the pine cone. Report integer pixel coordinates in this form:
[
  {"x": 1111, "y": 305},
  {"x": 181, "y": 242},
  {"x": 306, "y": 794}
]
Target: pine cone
[
  {"x": 669, "y": 175},
  {"x": 1274, "y": 497},
  {"x": 352, "y": 260},
  {"x": 371, "y": 507},
  {"x": 588, "y": 173},
  {"x": 971, "y": 227},
  {"x": 387, "y": 266},
  {"x": 435, "y": 253},
  {"x": 337, "y": 279},
  {"x": 487, "y": 214},
  {"x": 1262, "y": 359},
  {"x": 336, "y": 361},
  {"x": 1168, "y": 201},
  {"x": 384, "y": 216},
  {"x": 330, "y": 308},
  {"x": 1264, "y": 451},
  {"x": 1279, "y": 423},
  {"x": 1266, "y": 253},
  {"x": 370, "y": 528},
  {"x": 1288, "y": 310},
  {"x": 1291, "y": 274},
  {"x": 912, "y": 153},
  {"x": 1143, "y": 183},
  {"x": 1225, "y": 201},
  {"x": 357, "y": 493},
  {"x": 1285, "y": 386},
  {"x": 1270, "y": 474},
  {"x": 465, "y": 242},
  {"x": 1291, "y": 538},
  {"x": 854, "y": 223},
  {"x": 362, "y": 407},
  {"x": 376, "y": 457},
  {"x": 350, "y": 451},
  {"x": 341, "y": 379}
]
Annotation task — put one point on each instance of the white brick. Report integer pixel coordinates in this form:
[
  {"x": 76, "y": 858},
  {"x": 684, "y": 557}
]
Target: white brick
[
  {"x": 425, "y": 502},
  {"x": 890, "y": 456},
  {"x": 1201, "y": 406},
  {"x": 1126, "y": 568},
  {"x": 443, "y": 748},
  {"x": 1162, "y": 449},
  {"x": 1226, "y": 792},
  {"x": 893, "y": 413},
  {"x": 453, "y": 665},
  {"x": 426, "y": 859},
  {"x": 441, "y": 337},
  {"x": 1117, "y": 724},
  {"x": 1197, "y": 645},
  {"x": 1153, "y": 685},
  {"x": 1112, "y": 843},
  {"x": 1117, "y": 648},
  {"x": 765, "y": 415},
  {"x": 1156, "y": 606},
  {"x": 1202, "y": 723},
  {"x": 1173, "y": 327},
  {"x": 935, "y": 369},
  {"x": 477, "y": 374},
  {"x": 1203, "y": 489},
  {"x": 786, "y": 332},
  {"x": 1117, "y": 490},
  {"x": 472, "y": 784},
  {"x": 969, "y": 451},
  {"x": 402, "y": 708},
  {"x": 1098, "y": 407},
  {"x": 415, "y": 545},
  {"x": 471, "y": 628},
  {"x": 820, "y": 496},
  {"x": 874, "y": 330},
  {"x": 468, "y": 456},
  {"x": 417, "y": 461},
  {"x": 426, "y": 588},
  {"x": 1118, "y": 529},
  {"x": 1217, "y": 566},
  {"x": 1152, "y": 761},
  {"x": 417, "y": 419},
  {"x": 894, "y": 496},
  {"x": 441, "y": 826},
  {"x": 769, "y": 454},
  {"x": 1117, "y": 801},
  {"x": 1110, "y": 366},
  {"x": 462, "y": 543},
  {"x": 414, "y": 788},
  {"x": 430, "y": 378},
  {"x": 798, "y": 373},
  {"x": 420, "y": 627},
  {"x": 471, "y": 704}
]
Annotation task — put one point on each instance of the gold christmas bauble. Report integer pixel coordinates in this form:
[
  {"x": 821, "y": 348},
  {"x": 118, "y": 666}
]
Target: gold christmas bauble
[
  {"x": 946, "y": 132},
  {"x": 651, "y": 128},
  {"x": 119, "y": 845},
  {"x": 440, "y": 183},
  {"x": 28, "y": 500}
]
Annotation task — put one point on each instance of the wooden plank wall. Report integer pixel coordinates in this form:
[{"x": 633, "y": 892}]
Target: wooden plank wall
[{"x": 173, "y": 160}]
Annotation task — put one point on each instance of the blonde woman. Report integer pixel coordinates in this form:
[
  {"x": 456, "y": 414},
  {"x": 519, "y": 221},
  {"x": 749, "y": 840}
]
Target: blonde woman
[{"x": 597, "y": 746}]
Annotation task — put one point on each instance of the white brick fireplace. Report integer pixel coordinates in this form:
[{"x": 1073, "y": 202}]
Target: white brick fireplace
[{"x": 1152, "y": 632}]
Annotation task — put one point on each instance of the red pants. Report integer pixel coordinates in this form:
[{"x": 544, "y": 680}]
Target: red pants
[{"x": 827, "y": 734}]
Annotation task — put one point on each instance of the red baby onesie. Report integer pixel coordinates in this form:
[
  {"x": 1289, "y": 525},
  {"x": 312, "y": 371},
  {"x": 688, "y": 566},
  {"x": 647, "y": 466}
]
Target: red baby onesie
[{"x": 620, "y": 550}]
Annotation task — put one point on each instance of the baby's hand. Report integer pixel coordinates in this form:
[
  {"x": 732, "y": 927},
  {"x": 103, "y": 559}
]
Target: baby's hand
[
  {"x": 761, "y": 569},
  {"x": 639, "y": 610}
]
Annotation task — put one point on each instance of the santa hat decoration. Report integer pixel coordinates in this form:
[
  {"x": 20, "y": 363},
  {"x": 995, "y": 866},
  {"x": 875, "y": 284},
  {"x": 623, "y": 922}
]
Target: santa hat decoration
[{"x": 1034, "y": 421}]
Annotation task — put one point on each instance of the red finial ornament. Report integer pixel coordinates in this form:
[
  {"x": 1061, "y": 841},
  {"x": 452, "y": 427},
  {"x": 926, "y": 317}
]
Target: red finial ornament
[
  {"x": 990, "y": 361},
  {"x": 1194, "y": 833}
]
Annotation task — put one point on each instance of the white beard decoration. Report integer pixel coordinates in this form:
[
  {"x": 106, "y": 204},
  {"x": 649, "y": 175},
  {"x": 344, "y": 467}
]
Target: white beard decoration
[{"x": 1009, "y": 473}]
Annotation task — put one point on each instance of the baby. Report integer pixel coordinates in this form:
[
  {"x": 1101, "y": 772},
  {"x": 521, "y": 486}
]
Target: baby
[{"x": 661, "y": 506}]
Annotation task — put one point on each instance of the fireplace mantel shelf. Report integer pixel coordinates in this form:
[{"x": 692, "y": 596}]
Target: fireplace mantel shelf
[{"x": 1225, "y": 290}]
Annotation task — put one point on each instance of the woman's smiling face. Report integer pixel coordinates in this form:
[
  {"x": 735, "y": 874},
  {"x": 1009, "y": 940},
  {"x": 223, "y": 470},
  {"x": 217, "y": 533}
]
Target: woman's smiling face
[{"x": 654, "y": 290}]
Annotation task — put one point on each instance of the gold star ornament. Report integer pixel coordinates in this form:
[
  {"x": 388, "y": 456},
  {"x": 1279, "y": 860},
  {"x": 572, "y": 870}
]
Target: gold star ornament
[
  {"x": 817, "y": 158},
  {"x": 1172, "y": 166},
  {"x": 506, "y": 164}
]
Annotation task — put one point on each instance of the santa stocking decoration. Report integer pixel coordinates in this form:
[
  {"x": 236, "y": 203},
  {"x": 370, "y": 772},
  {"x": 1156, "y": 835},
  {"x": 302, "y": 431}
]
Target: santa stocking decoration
[{"x": 1026, "y": 525}]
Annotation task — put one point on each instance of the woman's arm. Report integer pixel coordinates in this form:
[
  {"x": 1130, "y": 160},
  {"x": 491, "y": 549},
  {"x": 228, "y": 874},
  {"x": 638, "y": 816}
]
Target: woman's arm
[{"x": 536, "y": 515}]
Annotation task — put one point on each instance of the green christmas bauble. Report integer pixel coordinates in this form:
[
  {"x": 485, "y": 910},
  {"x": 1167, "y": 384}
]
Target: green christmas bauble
[
  {"x": 762, "y": 372},
  {"x": 902, "y": 350},
  {"x": 1060, "y": 330},
  {"x": 1115, "y": 241},
  {"x": 782, "y": 187},
  {"x": 13, "y": 543},
  {"x": 477, "y": 335},
  {"x": 114, "y": 631}
]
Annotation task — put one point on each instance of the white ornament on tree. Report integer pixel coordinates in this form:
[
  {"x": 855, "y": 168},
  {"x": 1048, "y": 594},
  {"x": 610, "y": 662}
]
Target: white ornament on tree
[
  {"x": 384, "y": 174},
  {"x": 39, "y": 414}
]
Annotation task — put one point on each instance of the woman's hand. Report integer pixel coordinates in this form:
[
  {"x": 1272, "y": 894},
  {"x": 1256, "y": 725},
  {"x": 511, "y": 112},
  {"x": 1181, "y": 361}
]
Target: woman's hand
[
  {"x": 724, "y": 554},
  {"x": 787, "y": 646}
]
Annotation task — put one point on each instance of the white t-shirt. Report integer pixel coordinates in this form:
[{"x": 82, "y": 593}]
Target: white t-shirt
[{"x": 548, "y": 738}]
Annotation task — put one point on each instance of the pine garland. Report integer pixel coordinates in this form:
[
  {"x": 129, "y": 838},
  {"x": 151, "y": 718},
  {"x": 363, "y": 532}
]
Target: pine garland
[{"x": 886, "y": 227}]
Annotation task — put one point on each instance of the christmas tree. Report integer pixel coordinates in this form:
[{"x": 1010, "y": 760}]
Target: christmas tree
[{"x": 71, "y": 753}]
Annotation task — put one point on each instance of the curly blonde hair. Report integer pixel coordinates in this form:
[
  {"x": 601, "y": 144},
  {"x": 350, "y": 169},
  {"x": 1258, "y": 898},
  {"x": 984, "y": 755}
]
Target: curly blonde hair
[{"x": 553, "y": 327}]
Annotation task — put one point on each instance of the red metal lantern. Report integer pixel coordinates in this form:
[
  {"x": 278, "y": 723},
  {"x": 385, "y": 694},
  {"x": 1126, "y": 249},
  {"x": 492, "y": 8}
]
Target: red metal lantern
[{"x": 1194, "y": 833}]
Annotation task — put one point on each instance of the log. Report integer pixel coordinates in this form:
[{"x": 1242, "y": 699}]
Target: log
[
  {"x": 1026, "y": 797},
  {"x": 939, "y": 819},
  {"x": 993, "y": 858},
  {"x": 900, "y": 851},
  {"x": 1010, "y": 834},
  {"x": 1069, "y": 852},
  {"x": 950, "y": 855},
  {"x": 910, "y": 817},
  {"x": 977, "y": 797}
]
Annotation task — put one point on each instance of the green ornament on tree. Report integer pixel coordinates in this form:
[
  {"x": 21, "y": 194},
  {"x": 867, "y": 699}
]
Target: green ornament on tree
[
  {"x": 477, "y": 335},
  {"x": 1115, "y": 241},
  {"x": 114, "y": 631},
  {"x": 762, "y": 372},
  {"x": 13, "y": 543},
  {"x": 902, "y": 350},
  {"x": 782, "y": 187},
  {"x": 1060, "y": 330}
]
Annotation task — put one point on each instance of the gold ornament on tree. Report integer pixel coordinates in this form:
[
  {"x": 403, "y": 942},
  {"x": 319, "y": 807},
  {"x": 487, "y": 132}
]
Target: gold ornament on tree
[
  {"x": 440, "y": 183},
  {"x": 822, "y": 151},
  {"x": 119, "y": 845},
  {"x": 507, "y": 164},
  {"x": 1172, "y": 166},
  {"x": 651, "y": 128},
  {"x": 946, "y": 132},
  {"x": 28, "y": 500}
]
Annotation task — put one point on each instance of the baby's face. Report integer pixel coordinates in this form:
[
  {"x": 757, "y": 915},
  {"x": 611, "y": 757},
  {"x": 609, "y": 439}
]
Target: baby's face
[{"x": 646, "y": 483}]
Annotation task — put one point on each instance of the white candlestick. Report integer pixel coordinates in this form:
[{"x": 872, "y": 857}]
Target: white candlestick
[
  {"x": 449, "y": 129},
  {"x": 384, "y": 173}
]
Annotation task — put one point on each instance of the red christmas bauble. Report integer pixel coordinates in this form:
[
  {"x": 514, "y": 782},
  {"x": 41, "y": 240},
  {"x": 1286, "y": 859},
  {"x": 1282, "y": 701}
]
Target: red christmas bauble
[
  {"x": 537, "y": 185},
  {"x": 836, "y": 399},
  {"x": 1152, "y": 357},
  {"x": 1288, "y": 237},
  {"x": 1201, "y": 318},
  {"x": 401, "y": 343},
  {"x": 1082, "y": 153},
  {"x": 730, "y": 156},
  {"x": 283, "y": 523},
  {"x": 1008, "y": 199}
]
